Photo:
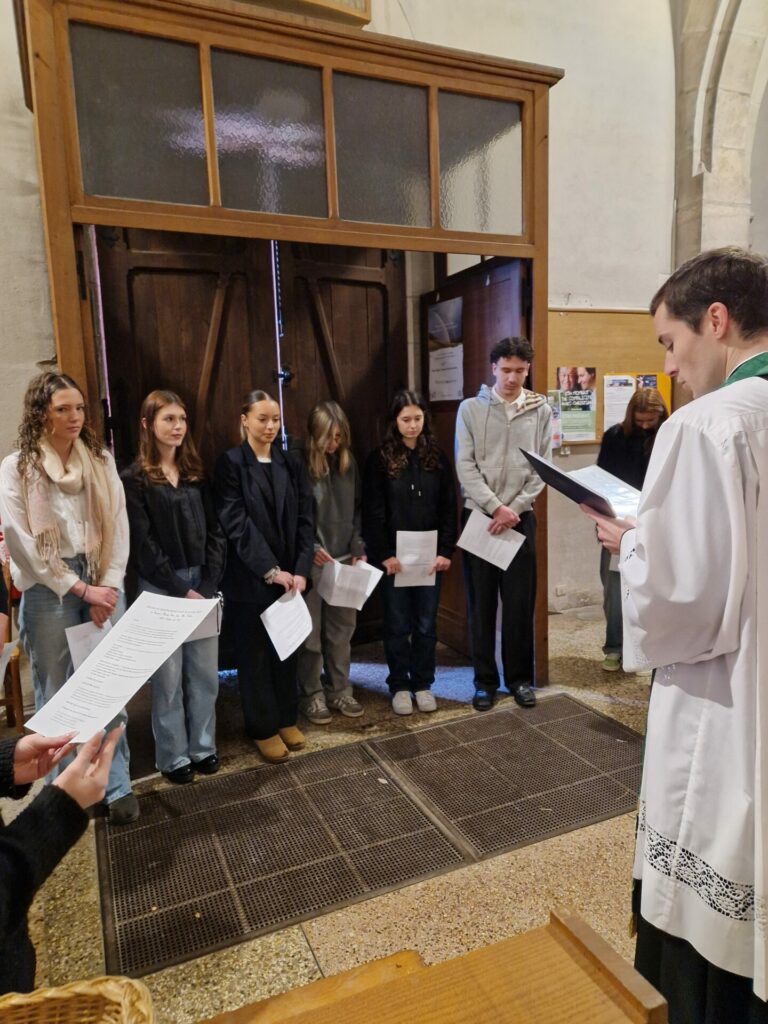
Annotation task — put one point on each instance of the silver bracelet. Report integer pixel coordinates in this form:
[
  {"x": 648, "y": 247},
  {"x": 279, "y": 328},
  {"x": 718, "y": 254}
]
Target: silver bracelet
[{"x": 269, "y": 577}]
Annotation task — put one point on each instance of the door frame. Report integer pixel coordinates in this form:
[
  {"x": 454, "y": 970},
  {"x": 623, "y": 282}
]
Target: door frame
[{"x": 47, "y": 66}]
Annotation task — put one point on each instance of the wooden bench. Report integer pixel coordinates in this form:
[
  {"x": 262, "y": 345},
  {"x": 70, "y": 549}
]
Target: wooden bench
[{"x": 563, "y": 973}]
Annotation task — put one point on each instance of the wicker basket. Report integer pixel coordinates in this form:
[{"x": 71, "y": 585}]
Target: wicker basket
[{"x": 97, "y": 1001}]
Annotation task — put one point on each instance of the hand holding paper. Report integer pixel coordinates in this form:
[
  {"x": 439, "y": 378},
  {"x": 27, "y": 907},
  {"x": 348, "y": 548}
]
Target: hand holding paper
[
  {"x": 416, "y": 553},
  {"x": 498, "y": 549},
  {"x": 288, "y": 623}
]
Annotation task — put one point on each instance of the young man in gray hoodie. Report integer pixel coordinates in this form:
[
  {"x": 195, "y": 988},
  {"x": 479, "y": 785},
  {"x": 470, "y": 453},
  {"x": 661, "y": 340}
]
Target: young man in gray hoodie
[{"x": 497, "y": 479}]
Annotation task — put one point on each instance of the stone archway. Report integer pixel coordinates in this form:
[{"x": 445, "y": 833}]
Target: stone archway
[{"x": 721, "y": 53}]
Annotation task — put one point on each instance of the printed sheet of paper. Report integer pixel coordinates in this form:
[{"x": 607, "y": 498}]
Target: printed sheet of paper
[
  {"x": 210, "y": 626},
  {"x": 5, "y": 657},
  {"x": 416, "y": 551},
  {"x": 288, "y": 623},
  {"x": 83, "y": 639},
  {"x": 498, "y": 549},
  {"x": 618, "y": 388},
  {"x": 136, "y": 646},
  {"x": 347, "y": 586}
]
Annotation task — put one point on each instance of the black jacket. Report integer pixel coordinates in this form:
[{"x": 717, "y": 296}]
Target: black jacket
[
  {"x": 626, "y": 457},
  {"x": 417, "y": 499},
  {"x": 264, "y": 525},
  {"x": 30, "y": 848},
  {"x": 173, "y": 528}
]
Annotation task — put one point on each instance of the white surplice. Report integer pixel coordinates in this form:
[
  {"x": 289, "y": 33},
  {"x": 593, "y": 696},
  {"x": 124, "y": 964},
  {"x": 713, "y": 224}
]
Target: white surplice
[{"x": 695, "y": 598}]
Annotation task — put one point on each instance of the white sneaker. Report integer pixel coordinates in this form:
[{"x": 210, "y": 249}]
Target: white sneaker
[
  {"x": 425, "y": 701},
  {"x": 402, "y": 703}
]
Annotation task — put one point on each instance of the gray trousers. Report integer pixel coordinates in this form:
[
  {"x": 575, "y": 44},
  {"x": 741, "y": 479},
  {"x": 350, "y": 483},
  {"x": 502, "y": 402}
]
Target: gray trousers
[{"x": 327, "y": 646}]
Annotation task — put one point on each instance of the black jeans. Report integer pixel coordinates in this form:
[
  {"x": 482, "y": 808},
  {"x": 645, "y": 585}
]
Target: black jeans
[
  {"x": 410, "y": 634},
  {"x": 516, "y": 586},
  {"x": 268, "y": 688}
]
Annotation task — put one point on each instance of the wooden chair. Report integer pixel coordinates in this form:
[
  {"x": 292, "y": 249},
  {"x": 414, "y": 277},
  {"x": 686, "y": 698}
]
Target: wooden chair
[{"x": 12, "y": 700}]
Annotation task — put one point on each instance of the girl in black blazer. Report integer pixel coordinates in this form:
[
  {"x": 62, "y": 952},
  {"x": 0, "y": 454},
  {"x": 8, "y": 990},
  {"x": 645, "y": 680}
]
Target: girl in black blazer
[{"x": 264, "y": 503}]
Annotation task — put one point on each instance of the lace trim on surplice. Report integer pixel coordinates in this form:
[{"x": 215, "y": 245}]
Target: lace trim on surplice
[{"x": 731, "y": 899}]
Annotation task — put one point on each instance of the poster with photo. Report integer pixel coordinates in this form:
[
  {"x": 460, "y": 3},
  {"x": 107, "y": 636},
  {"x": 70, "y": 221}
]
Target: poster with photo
[
  {"x": 578, "y": 415},
  {"x": 446, "y": 351}
]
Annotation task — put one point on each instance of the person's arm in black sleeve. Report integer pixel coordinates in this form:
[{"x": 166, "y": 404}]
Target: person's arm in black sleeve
[
  {"x": 611, "y": 454},
  {"x": 375, "y": 525},
  {"x": 215, "y": 546},
  {"x": 241, "y": 531},
  {"x": 146, "y": 556},
  {"x": 34, "y": 843},
  {"x": 446, "y": 536},
  {"x": 305, "y": 526}
]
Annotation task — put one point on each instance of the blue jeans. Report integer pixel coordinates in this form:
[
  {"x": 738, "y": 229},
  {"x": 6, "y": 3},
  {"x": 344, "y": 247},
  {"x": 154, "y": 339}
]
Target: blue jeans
[
  {"x": 42, "y": 621},
  {"x": 410, "y": 634},
  {"x": 184, "y": 692},
  {"x": 614, "y": 626}
]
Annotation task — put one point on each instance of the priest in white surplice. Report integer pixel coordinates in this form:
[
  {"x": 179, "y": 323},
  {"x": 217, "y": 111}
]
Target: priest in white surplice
[{"x": 695, "y": 591}]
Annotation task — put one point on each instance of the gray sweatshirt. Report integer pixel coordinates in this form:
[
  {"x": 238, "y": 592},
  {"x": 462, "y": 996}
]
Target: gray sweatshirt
[
  {"x": 337, "y": 511},
  {"x": 491, "y": 468}
]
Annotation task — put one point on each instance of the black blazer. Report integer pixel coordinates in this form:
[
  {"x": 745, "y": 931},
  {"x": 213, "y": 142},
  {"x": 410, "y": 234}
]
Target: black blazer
[{"x": 262, "y": 529}]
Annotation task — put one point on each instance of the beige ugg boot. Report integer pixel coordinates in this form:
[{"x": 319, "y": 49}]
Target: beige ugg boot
[
  {"x": 272, "y": 749},
  {"x": 292, "y": 737}
]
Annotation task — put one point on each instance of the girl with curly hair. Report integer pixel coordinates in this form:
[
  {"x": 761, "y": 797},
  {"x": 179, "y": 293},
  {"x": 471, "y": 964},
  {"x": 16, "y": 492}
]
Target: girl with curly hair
[
  {"x": 177, "y": 548},
  {"x": 408, "y": 485},
  {"x": 63, "y": 512}
]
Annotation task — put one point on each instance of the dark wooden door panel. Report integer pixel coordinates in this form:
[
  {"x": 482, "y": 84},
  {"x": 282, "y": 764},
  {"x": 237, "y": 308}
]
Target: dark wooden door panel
[{"x": 493, "y": 308}]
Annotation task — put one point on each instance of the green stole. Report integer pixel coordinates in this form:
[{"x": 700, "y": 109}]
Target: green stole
[{"x": 755, "y": 366}]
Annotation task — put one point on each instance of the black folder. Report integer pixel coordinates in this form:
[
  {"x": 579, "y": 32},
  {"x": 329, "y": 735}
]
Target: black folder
[{"x": 571, "y": 488}]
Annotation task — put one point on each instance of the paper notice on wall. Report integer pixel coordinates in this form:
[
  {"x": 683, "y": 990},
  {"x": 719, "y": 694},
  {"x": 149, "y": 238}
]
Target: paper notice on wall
[
  {"x": 446, "y": 351},
  {"x": 618, "y": 388},
  {"x": 553, "y": 398},
  {"x": 132, "y": 651},
  {"x": 446, "y": 374}
]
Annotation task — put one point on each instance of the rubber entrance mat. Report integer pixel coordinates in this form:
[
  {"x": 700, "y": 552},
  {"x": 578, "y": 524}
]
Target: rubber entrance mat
[{"x": 229, "y": 858}]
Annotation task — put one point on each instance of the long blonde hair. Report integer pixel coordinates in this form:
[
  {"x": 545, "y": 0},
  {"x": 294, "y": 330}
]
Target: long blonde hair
[{"x": 323, "y": 420}]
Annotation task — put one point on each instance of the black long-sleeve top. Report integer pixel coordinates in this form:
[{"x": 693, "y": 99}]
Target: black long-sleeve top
[
  {"x": 626, "y": 457},
  {"x": 173, "y": 528},
  {"x": 30, "y": 848},
  {"x": 416, "y": 499}
]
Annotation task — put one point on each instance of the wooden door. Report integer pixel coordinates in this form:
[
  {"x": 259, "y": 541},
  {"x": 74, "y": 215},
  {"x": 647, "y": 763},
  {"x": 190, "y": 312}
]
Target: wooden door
[
  {"x": 195, "y": 314},
  {"x": 496, "y": 304}
]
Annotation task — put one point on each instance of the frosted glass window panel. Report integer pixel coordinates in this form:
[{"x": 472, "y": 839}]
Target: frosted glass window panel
[
  {"x": 481, "y": 161},
  {"x": 382, "y": 151},
  {"x": 270, "y": 135},
  {"x": 139, "y": 116}
]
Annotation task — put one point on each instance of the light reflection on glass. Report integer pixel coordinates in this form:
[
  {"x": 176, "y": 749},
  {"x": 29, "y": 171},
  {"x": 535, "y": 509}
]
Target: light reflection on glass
[
  {"x": 269, "y": 135},
  {"x": 480, "y": 164}
]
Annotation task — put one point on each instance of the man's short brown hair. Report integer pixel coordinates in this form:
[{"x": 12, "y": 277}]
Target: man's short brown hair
[{"x": 733, "y": 276}]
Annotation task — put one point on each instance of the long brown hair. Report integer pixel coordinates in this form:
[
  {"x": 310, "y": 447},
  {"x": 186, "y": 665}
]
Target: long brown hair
[
  {"x": 33, "y": 426},
  {"x": 323, "y": 420},
  {"x": 187, "y": 460},
  {"x": 643, "y": 400},
  {"x": 394, "y": 450}
]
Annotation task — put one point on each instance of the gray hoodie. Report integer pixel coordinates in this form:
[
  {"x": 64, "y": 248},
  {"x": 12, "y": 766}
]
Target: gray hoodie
[{"x": 491, "y": 468}]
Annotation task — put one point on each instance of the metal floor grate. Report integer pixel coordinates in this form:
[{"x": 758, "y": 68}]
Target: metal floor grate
[{"x": 228, "y": 858}]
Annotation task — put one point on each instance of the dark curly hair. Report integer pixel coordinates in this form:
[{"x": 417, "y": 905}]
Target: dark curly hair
[
  {"x": 393, "y": 450},
  {"x": 33, "y": 426}
]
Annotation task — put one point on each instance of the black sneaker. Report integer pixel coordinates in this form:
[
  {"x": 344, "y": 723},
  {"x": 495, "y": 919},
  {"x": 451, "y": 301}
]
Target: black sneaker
[{"x": 123, "y": 811}]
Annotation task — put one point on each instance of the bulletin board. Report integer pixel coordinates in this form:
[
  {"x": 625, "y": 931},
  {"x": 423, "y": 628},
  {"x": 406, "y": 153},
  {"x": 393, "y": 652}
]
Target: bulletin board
[{"x": 611, "y": 341}]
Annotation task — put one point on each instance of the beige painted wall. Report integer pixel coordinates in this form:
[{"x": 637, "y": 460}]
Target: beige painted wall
[{"x": 26, "y": 334}]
